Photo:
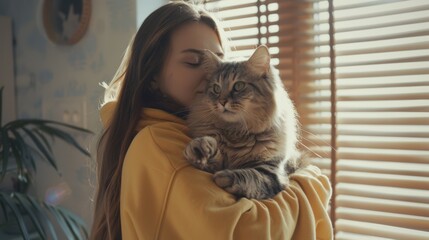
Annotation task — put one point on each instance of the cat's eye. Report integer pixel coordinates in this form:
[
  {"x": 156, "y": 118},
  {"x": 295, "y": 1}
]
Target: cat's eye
[
  {"x": 216, "y": 89},
  {"x": 238, "y": 86}
]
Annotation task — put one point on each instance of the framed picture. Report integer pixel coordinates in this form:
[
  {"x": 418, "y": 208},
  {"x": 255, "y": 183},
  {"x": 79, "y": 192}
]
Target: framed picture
[{"x": 66, "y": 21}]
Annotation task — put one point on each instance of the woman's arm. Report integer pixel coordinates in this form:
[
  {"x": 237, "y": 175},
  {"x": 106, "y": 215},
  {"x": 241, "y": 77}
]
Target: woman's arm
[{"x": 162, "y": 197}]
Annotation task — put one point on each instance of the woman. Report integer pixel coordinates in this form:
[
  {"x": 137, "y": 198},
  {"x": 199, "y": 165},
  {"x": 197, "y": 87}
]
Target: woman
[{"x": 146, "y": 189}]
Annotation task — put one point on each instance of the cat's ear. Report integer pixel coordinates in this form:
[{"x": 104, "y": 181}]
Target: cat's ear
[
  {"x": 259, "y": 62},
  {"x": 210, "y": 61}
]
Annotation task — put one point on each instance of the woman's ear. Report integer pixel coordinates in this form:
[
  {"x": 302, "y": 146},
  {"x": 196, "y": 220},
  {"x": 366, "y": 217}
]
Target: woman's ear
[
  {"x": 210, "y": 61},
  {"x": 259, "y": 62}
]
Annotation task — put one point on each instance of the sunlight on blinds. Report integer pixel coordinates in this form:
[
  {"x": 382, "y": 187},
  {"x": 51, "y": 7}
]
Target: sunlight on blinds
[
  {"x": 247, "y": 24},
  {"x": 314, "y": 88},
  {"x": 366, "y": 66},
  {"x": 382, "y": 71}
]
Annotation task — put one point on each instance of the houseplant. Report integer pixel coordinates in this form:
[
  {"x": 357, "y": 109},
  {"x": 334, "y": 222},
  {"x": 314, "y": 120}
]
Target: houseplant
[{"x": 23, "y": 144}]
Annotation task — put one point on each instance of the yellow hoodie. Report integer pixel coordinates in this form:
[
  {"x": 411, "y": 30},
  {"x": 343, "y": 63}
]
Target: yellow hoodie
[{"x": 163, "y": 197}]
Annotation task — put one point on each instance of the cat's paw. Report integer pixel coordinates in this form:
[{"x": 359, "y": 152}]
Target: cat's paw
[
  {"x": 226, "y": 180},
  {"x": 200, "y": 152},
  {"x": 233, "y": 181}
]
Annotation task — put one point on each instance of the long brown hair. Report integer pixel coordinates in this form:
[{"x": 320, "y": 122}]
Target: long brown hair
[{"x": 142, "y": 61}]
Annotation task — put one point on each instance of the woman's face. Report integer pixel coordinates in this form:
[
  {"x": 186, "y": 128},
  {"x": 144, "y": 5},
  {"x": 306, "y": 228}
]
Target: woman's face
[{"x": 182, "y": 74}]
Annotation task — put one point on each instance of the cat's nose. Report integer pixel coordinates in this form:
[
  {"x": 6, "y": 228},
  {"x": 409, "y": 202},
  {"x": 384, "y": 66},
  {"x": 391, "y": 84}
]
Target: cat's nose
[{"x": 223, "y": 102}]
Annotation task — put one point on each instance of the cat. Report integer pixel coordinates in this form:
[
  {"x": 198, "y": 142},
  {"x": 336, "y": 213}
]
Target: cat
[{"x": 244, "y": 126}]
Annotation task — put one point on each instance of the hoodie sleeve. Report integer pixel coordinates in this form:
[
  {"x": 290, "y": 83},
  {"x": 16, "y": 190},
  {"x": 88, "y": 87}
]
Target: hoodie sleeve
[
  {"x": 208, "y": 212},
  {"x": 161, "y": 199}
]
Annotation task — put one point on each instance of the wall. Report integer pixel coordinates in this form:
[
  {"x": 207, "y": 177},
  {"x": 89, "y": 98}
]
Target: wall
[{"x": 49, "y": 77}]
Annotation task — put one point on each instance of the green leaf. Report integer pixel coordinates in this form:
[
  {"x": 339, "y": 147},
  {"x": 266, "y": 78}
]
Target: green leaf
[
  {"x": 5, "y": 152},
  {"x": 43, "y": 217},
  {"x": 3, "y": 208},
  {"x": 45, "y": 141},
  {"x": 13, "y": 124},
  {"x": 39, "y": 122},
  {"x": 60, "y": 220},
  {"x": 23, "y": 147},
  {"x": 18, "y": 156},
  {"x": 73, "y": 216},
  {"x": 1, "y": 104},
  {"x": 41, "y": 148},
  {"x": 31, "y": 211},
  {"x": 69, "y": 126},
  {"x": 76, "y": 220},
  {"x": 72, "y": 226},
  {"x": 11, "y": 203},
  {"x": 65, "y": 137}
]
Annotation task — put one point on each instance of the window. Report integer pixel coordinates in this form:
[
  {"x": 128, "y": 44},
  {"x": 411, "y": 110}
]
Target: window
[{"x": 358, "y": 72}]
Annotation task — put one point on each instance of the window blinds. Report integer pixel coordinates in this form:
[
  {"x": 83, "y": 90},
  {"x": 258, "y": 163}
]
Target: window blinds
[
  {"x": 358, "y": 72},
  {"x": 382, "y": 79}
]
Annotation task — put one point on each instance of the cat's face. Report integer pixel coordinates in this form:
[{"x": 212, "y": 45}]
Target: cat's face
[{"x": 239, "y": 91}]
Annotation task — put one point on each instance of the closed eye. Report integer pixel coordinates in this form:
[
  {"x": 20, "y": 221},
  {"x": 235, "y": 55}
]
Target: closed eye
[{"x": 193, "y": 65}]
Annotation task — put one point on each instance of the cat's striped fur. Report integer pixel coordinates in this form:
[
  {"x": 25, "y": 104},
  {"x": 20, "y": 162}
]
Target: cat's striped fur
[{"x": 244, "y": 127}]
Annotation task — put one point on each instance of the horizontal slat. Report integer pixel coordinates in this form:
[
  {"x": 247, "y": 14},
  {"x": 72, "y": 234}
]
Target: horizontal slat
[
  {"x": 371, "y": 119},
  {"x": 366, "y": 74},
  {"x": 368, "y": 142},
  {"x": 304, "y": 30},
  {"x": 381, "y": 97},
  {"x": 238, "y": 17},
  {"x": 366, "y": 62},
  {"x": 411, "y": 33},
  {"x": 386, "y": 205},
  {"x": 389, "y": 155},
  {"x": 338, "y": 7},
  {"x": 315, "y": 140},
  {"x": 299, "y": 40},
  {"x": 321, "y": 162},
  {"x": 229, "y": 5},
  {"x": 398, "y": 22},
  {"x": 238, "y": 38},
  {"x": 236, "y": 47},
  {"x": 240, "y": 23},
  {"x": 384, "y": 143},
  {"x": 387, "y": 12},
  {"x": 380, "y": 230},
  {"x": 384, "y": 218},
  {"x": 361, "y": 83},
  {"x": 306, "y": 109},
  {"x": 385, "y": 167},
  {"x": 388, "y": 180},
  {"x": 297, "y": 8},
  {"x": 368, "y": 130},
  {"x": 381, "y": 192},
  {"x": 342, "y": 95},
  {"x": 353, "y": 236},
  {"x": 307, "y": 56},
  {"x": 385, "y": 96},
  {"x": 393, "y": 48},
  {"x": 389, "y": 131},
  {"x": 321, "y": 152}
]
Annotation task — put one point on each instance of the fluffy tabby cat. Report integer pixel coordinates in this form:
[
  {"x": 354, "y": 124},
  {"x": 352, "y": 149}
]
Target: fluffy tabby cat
[{"x": 244, "y": 127}]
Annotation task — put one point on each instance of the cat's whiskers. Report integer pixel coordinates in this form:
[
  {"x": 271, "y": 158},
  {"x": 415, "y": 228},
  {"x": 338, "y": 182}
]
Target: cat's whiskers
[
  {"x": 314, "y": 135},
  {"x": 309, "y": 149},
  {"x": 313, "y": 143}
]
